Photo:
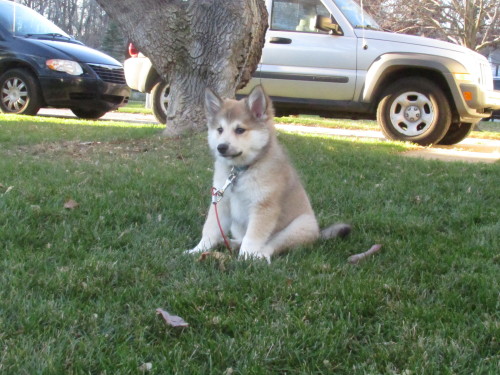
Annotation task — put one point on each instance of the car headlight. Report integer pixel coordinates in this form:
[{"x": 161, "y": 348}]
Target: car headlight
[{"x": 67, "y": 66}]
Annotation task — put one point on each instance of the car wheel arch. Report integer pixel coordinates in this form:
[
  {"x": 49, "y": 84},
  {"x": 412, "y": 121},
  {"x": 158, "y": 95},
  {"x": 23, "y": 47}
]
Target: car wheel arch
[
  {"x": 390, "y": 67},
  {"x": 5, "y": 66},
  {"x": 17, "y": 64},
  {"x": 152, "y": 79},
  {"x": 404, "y": 73}
]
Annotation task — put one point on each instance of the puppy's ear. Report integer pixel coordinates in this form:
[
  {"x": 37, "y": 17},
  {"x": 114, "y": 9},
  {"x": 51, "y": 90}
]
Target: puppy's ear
[
  {"x": 212, "y": 104},
  {"x": 258, "y": 103}
]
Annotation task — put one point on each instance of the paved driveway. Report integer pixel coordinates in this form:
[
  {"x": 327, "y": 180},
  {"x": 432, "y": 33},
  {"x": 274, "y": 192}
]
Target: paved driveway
[{"x": 471, "y": 150}]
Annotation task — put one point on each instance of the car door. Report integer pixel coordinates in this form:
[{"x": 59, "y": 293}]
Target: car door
[{"x": 299, "y": 61}]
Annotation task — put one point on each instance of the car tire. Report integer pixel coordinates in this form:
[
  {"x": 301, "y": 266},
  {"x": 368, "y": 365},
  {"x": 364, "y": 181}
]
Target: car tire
[
  {"x": 88, "y": 114},
  {"x": 20, "y": 92},
  {"x": 159, "y": 101},
  {"x": 415, "y": 110},
  {"x": 457, "y": 133}
]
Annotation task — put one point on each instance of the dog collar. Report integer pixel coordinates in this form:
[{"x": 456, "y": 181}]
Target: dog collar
[
  {"x": 217, "y": 194},
  {"x": 238, "y": 170}
]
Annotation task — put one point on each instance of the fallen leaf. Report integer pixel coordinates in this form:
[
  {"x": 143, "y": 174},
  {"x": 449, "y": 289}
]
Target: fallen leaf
[
  {"x": 217, "y": 255},
  {"x": 9, "y": 189},
  {"x": 172, "y": 320},
  {"x": 71, "y": 204},
  {"x": 220, "y": 258}
]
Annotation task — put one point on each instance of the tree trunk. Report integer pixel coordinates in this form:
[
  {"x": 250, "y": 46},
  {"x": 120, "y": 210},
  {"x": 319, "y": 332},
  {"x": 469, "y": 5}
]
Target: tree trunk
[{"x": 195, "y": 44}]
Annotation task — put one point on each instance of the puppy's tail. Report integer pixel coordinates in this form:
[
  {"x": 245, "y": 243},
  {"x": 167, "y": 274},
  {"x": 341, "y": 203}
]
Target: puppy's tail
[{"x": 336, "y": 230}]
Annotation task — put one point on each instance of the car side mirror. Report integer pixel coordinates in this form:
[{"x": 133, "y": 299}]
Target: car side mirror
[{"x": 329, "y": 25}]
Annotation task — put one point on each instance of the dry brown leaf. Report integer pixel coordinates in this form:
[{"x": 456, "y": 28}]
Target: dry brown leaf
[
  {"x": 172, "y": 320},
  {"x": 219, "y": 258},
  {"x": 217, "y": 255},
  {"x": 71, "y": 204}
]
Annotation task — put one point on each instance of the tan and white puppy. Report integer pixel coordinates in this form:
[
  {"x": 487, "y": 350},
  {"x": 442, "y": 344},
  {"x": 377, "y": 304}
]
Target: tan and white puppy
[{"x": 266, "y": 208}]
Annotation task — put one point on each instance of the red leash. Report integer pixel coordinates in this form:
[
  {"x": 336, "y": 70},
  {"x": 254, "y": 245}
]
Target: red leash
[{"x": 215, "y": 195}]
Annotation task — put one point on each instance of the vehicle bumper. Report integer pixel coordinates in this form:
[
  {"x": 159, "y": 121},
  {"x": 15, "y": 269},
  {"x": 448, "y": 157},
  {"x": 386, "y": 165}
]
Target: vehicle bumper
[
  {"x": 478, "y": 103},
  {"x": 85, "y": 93},
  {"x": 493, "y": 98},
  {"x": 137, "y": 72}
]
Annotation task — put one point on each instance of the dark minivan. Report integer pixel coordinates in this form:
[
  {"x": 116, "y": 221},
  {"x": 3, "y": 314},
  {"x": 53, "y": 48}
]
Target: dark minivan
[
  {"x": 496, "y": 85},
  {"x": 42, "y": 66}
]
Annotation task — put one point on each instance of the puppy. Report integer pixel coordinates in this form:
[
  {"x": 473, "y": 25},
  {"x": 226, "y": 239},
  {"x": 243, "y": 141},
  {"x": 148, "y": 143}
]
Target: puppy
[{"x": 261, "y": 200}]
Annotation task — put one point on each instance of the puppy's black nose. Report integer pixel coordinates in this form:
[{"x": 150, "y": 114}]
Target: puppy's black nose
[{"x": 222, "y": 148}]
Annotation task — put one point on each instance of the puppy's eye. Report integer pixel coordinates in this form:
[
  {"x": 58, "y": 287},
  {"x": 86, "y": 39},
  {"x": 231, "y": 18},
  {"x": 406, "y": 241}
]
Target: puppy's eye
[
  {"x": 239, "y": 130},
  {"x": 220, "y": 130}
]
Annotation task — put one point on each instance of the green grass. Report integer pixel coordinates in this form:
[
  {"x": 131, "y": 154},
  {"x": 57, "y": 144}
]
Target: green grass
[
  {"x": 79, "y": 288},
  {"x": 135, "y": 107},
  {"x": 25, "y": 130}
]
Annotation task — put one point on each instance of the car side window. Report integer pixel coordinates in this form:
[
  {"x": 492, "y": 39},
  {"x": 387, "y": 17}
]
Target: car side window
[
  {"x": 6, "y": 16},
  {"x": 297, "y": 15}
]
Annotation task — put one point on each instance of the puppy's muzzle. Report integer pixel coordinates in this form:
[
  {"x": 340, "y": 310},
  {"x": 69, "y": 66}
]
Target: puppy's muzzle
[
  {"x": 226, "y": 151},
  {"x": 222, "y": 148}
]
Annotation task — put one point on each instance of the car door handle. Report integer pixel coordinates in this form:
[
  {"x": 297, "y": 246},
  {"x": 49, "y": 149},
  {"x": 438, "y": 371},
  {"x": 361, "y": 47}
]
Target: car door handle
[{"x": 278, "y": 40}]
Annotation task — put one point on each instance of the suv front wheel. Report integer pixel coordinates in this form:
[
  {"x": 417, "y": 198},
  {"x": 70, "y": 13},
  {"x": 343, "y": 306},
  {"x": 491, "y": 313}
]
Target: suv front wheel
[
  {"x": 415, "y": 110},
  {"x": 159, "y": 101}
]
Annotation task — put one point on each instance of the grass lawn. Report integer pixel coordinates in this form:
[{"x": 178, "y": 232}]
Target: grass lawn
[
  {"x": 79, "y": 287},
  {"x": 135, "y": 107}
]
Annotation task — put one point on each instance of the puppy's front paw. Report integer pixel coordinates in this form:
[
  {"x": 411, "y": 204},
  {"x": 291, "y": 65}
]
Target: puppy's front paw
[{"x": 195, "y": 250}]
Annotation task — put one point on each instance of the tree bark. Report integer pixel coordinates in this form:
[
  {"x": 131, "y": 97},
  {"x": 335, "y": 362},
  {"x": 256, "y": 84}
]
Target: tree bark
[{"x": 194, "y": 44}]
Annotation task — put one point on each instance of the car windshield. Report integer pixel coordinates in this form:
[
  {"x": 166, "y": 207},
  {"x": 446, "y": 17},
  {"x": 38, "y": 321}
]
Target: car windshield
[
  {"x": 357, "y": 17},
  {"x": 23, "y": 21}
]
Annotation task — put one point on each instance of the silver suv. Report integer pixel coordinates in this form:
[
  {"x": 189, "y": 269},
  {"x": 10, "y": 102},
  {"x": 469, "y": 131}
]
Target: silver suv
[{"x": 329, "y": 57}]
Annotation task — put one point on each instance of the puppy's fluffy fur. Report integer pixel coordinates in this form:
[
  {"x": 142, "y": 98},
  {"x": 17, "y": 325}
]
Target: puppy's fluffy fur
[{"x": 266, "y": 209}]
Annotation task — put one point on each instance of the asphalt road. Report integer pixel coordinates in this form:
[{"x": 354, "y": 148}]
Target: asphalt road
[{"x": 471, "y": 150}]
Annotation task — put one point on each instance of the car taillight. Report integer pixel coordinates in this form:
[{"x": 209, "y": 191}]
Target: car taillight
[{"x": 132, "y": 51}]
